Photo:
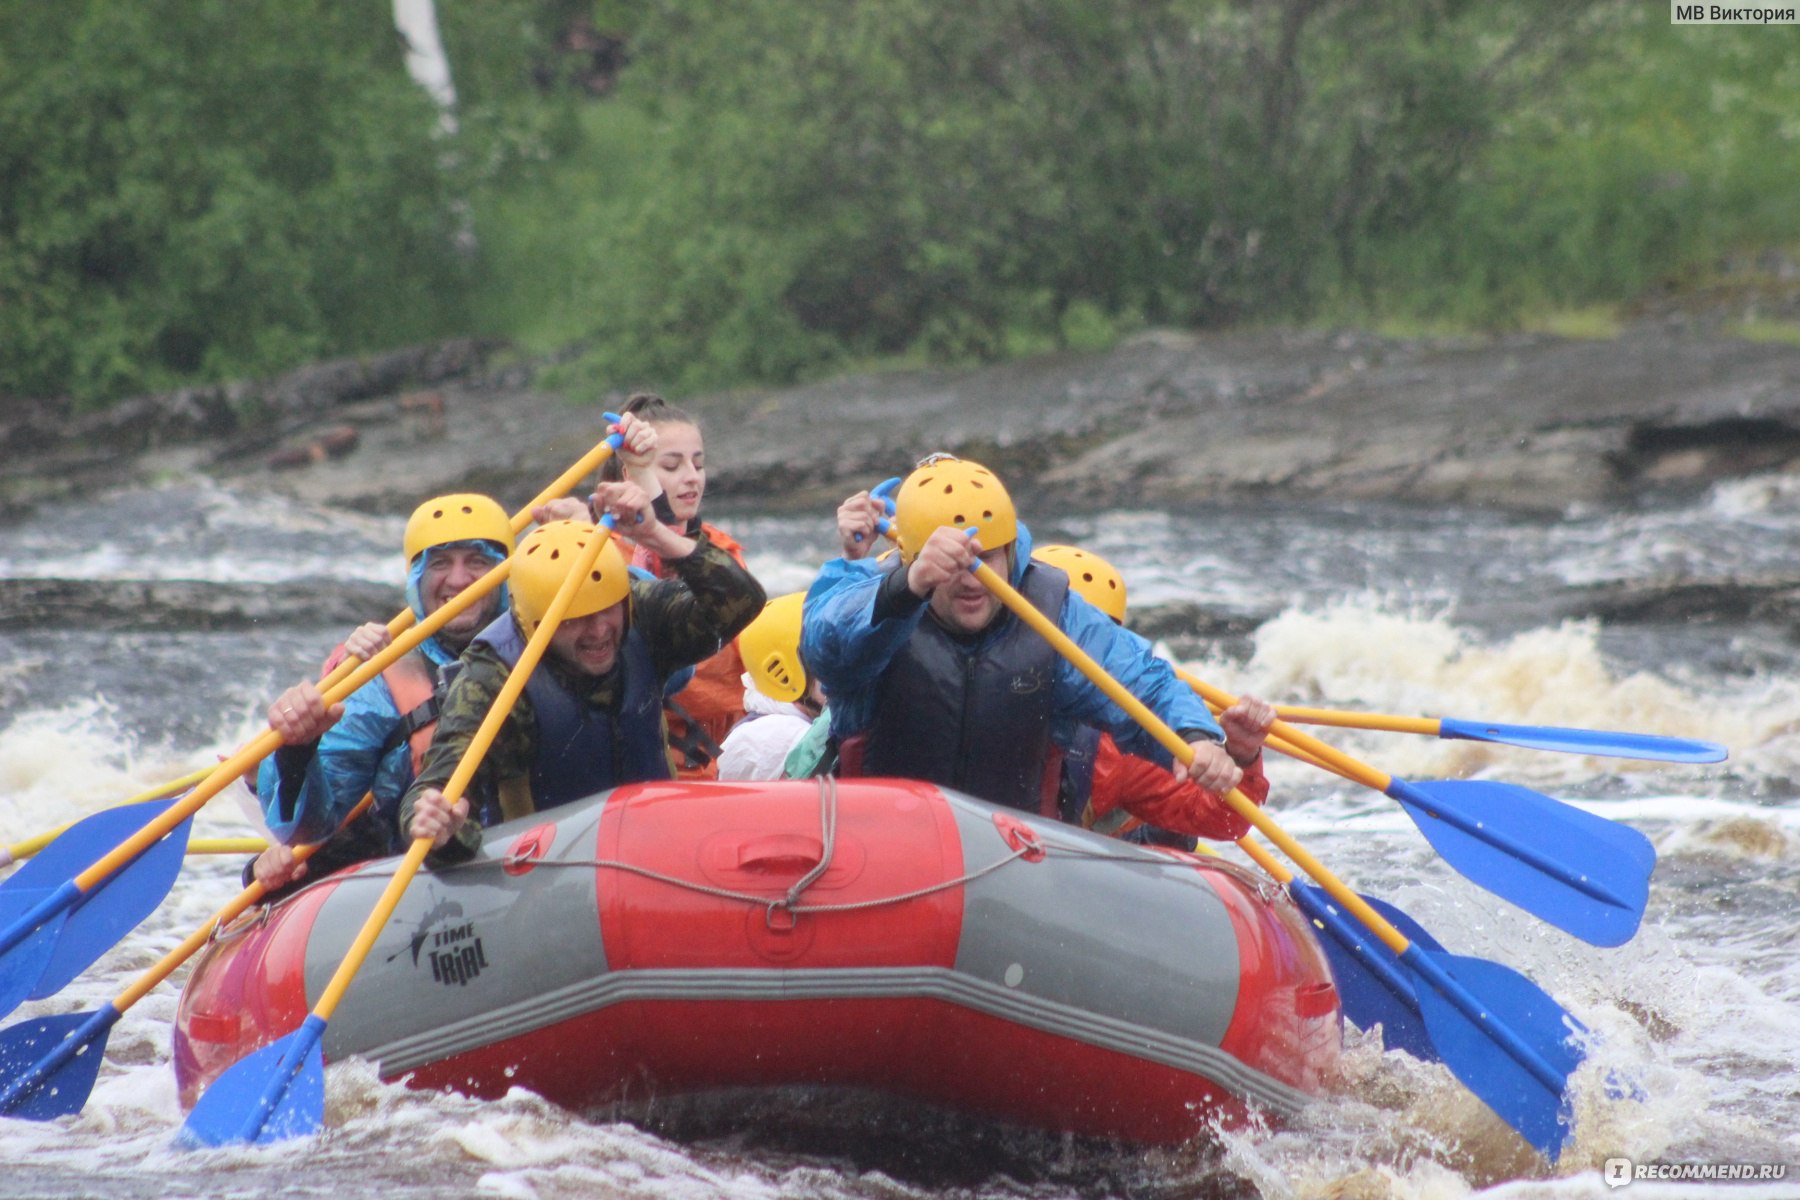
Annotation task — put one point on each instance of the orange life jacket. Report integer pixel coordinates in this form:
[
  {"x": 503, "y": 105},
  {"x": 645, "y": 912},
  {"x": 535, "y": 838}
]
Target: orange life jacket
[{"x": 703, "y": 712}]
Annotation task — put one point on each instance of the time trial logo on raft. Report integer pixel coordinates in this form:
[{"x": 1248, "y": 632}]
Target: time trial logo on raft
[
  {"x": 457, "y": 955},
  {"x": 1620, "y": 1171}
]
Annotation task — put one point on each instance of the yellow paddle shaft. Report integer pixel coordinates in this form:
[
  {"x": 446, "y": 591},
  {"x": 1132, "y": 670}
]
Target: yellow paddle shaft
[
  {"x": 339, "y": 683},
  {"x": 267, "y": 742},
  {"x": 237, "y": 845},
  {"x": 365, "y": 938},
  {"x": 168, "y": 963},
  {"x": 465, "y": 771},
  {"x": 1385, "y": 722},
  {"x": 19, "y": 851},
  {"x": 1329, "y": 757},
  {"x": 584, "y": 466},
  {"x": 1263, "y": 858},
  {"x": 1171, "y": 741}
]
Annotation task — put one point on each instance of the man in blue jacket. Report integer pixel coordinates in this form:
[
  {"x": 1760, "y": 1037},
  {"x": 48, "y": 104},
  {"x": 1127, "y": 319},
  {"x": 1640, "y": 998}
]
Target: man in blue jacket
[
  {"x": 376, "y": 739},
  {"x": 931, "y": 678}
]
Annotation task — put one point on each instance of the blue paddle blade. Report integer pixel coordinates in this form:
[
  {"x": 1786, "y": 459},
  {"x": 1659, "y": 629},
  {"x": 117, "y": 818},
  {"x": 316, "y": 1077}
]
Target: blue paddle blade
[
  {"x": 1623, "y": 838},
  {"x": 1372, "y": 990},
  {"x": 1504, "y": 1037},
  {"x": 48, "y": 1066},
  {"x": 1584, "y": 874},
  {"x": 1599, "y": 742},
  {"x": 98, "y": 919},
  {"x": 80, "y": 846},
  {"x": 272, "y": 1095},
  {"x": 32, "y": 935}
]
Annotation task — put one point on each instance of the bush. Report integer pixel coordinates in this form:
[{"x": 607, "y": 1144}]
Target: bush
[{"x": 200, "y": 189}]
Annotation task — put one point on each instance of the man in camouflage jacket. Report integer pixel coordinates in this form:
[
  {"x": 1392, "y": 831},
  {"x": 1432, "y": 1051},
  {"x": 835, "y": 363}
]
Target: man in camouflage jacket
[{"x": 591, "y": 715}]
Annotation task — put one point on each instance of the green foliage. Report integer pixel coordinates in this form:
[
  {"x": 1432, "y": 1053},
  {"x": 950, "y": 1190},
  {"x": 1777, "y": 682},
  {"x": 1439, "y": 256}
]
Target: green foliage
[
  {"x": 201, "y": 189},
  {"x": 1661, "y": 155},
  {"x": 830, "y": 179},
  {"x": 769, "y": 189}
]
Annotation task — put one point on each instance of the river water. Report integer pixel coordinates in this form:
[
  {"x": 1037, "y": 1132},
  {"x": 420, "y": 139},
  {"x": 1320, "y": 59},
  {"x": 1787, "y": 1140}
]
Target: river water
[{"x": 1439, "y": 612}]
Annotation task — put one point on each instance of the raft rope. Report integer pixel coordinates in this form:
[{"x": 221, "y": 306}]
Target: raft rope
[
  {"x": 788, "y": 903},
  {"x": 828, "y": 812}
]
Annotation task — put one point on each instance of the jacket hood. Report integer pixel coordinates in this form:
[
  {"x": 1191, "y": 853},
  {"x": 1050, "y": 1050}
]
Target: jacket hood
[
  {"x": 435, "y": 650},
  {"x": 1021, "y": 557}
]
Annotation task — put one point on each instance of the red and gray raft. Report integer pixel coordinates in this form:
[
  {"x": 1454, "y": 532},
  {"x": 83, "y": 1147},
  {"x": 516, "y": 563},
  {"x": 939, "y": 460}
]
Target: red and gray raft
[{"x": 684, "y": 937}]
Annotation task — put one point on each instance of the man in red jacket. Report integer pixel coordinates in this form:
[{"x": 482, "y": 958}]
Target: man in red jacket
[{"x": 1110, "y": 791}]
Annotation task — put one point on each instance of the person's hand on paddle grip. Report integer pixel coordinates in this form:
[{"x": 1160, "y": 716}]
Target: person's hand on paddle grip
[
  {"x": 634, "y": 518},
  {"x": 945, "y": 554},
  {"x": 1211, "y": 769},
  {"x": 637, "y": 450},
  {"x": 367, "y": 641},
  {"x": 276, "y": 867},
  {"x": 857, "y": 525},
  {"x": 564, "y": 508},
  {"x": 435, "y": 819},
  {"x": 299, "y": 714},
  {"x": 1246, "y": 726}
]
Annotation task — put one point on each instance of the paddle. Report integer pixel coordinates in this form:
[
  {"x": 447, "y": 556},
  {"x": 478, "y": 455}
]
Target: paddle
[
  {"x": 1519, "y": 844},
  {"x": 52, "y": 925},
  {"x": 1504, "y": 1037},
  {"x": 884, "y": 492},
  {"x": 20, "y": 851},
  {"x": 48, "y": 1066},
  {"x": 396, "y": 626},
  {"x": 279, "y": 1091},
  {"x": 1599, "y": 742},
  {"x": 581, "y": 469}
]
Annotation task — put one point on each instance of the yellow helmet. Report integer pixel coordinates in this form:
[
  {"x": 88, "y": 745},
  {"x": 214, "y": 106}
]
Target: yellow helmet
[
  {"x": 770, "y": 646},
  {"x": 465, "y": 516},
  {"x": 542, "y": 562},
  {"x": 1093, "y": 578},
  {"x": 954, "y": 493}
]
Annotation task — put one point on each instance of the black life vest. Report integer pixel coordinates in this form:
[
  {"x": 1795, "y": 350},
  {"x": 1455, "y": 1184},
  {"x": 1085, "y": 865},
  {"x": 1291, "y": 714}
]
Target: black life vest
[
  {"x": 582, "y": 749},
  {"x": 975, "y": 717}
]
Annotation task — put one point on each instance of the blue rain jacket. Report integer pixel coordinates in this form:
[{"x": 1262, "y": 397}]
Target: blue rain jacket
[{"x": 847, "y": 650}]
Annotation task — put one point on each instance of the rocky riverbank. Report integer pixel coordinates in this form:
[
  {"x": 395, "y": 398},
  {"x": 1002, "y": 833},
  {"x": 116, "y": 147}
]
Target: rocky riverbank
[
  {"x": 1527, "y": 423},
  {"x": 1531, "y": 423}
]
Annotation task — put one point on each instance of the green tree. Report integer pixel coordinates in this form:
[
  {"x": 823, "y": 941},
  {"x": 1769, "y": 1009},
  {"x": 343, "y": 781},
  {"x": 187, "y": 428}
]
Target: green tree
[
  {"x": 831, "y": 177},
  {"x": 212, "y": 188}
]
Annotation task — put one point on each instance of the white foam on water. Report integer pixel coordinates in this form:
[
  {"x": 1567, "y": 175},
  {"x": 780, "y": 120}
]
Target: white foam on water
[
  {"x": 60, "y": 765},
  {"x": 223, "y": 536},
  {"x": 1361, "y": 656},
  {"x": 1701, "y": 1010}
]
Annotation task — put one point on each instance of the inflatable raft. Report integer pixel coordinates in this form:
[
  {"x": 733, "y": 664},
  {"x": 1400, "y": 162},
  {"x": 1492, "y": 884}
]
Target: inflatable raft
[{"x": 678, "y": 938}]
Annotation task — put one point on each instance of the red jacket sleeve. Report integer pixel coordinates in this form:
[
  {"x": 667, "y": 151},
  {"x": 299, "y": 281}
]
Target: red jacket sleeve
[{"x": 1150, "y": 793}]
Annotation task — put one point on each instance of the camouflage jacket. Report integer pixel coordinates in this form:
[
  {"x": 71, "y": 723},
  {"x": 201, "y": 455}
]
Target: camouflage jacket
[{"x": 705, "y": 601}]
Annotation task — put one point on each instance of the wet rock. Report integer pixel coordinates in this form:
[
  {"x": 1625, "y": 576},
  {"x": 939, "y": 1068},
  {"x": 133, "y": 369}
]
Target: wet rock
[
  {"x": 332, "y": 443},
  {"x": 151, "y": 605},
  {"x": 1769, "y": 599},
  {"x": 1528, "y": 423}
]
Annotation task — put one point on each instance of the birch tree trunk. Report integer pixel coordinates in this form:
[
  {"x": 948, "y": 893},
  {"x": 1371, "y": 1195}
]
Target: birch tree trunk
[
  {"x": 426, "y": 62},
  {"x": 416, "y": 21}
]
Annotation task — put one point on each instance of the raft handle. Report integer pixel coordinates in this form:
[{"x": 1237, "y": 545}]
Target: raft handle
[{"x": 781, "y": 853}]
